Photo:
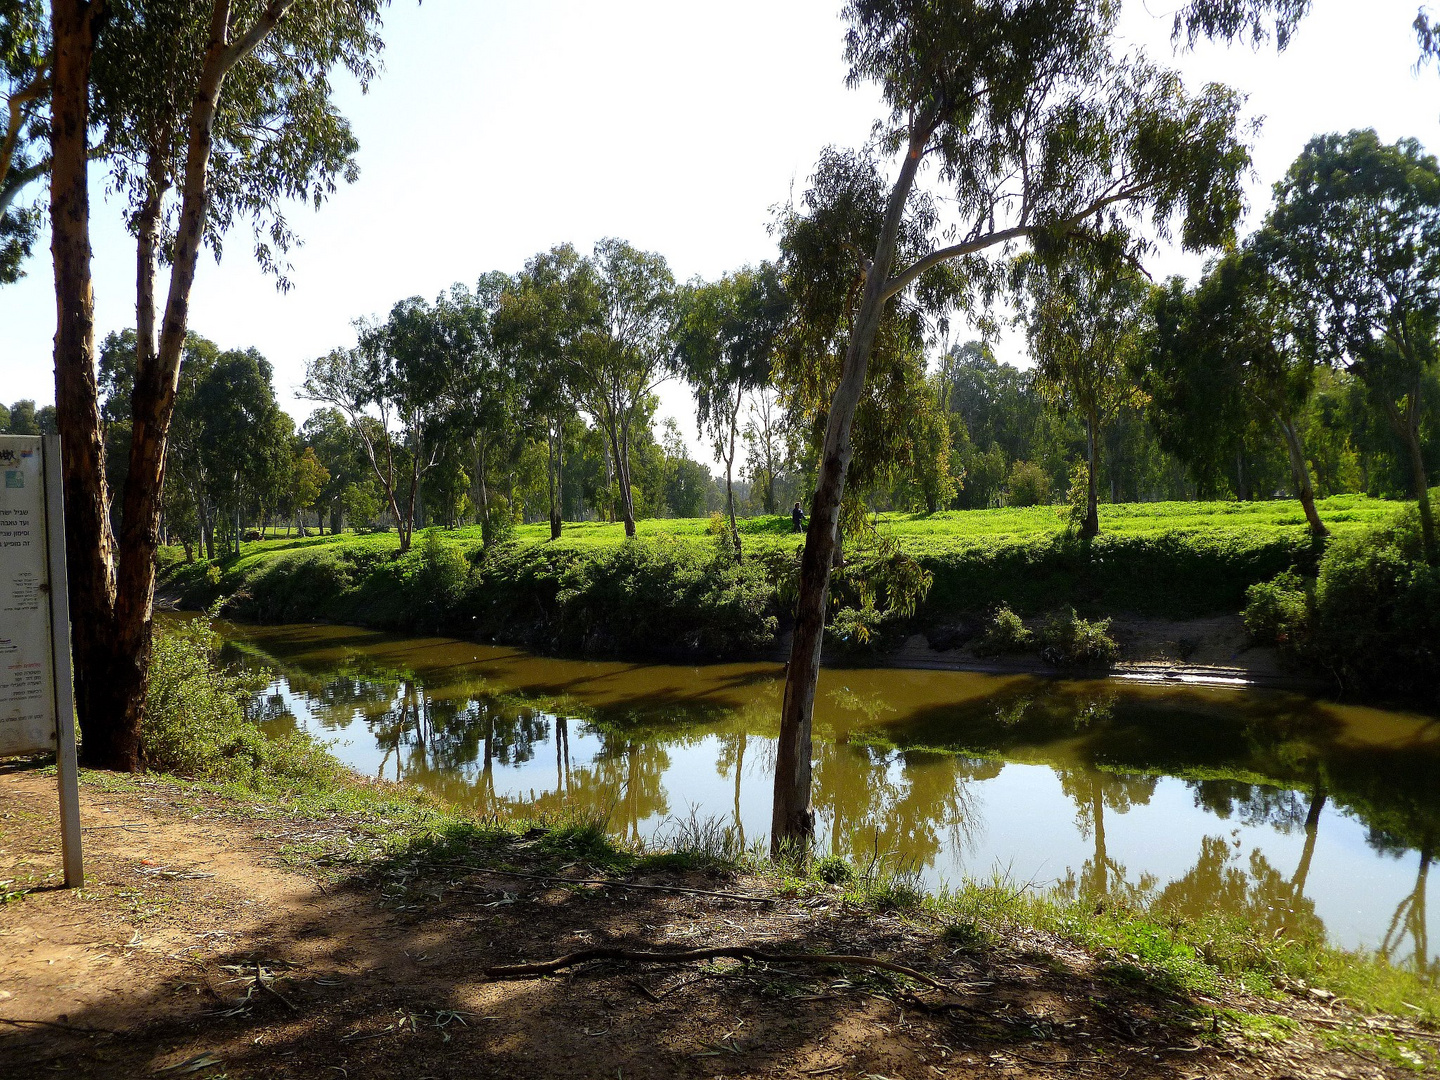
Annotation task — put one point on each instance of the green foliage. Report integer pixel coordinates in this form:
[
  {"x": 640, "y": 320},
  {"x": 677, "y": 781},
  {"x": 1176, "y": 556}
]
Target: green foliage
[
  {"x": 1371, "y": 617},
  {"x": 360, "y": 505},
  {"x": 1377, "y": 611},
  {"x": 856, "y": 631},
  {"x": 1027, "y": 485},
  {"x": 443, "y": 577},
  {"x": 833, "y": 870},
  {"x": 645, "y": 598},
  {"x": 1278, "y": 611},
  {"x": 1003, "y": 633},
  {"x": 195, "y": 723},
  {"x": 681, "y": 593},
  {"x": 1068, "y": 641},
  {"x": 1077, "y": 495}
]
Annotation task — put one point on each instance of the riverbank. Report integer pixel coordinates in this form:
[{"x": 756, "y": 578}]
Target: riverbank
[
  {"x": 677, "y": 592},
  {"x": 349, "y": 927}
]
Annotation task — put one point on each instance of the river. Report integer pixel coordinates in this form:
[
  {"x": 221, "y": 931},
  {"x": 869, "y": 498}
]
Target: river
[{"x": 1290, "y": 811}]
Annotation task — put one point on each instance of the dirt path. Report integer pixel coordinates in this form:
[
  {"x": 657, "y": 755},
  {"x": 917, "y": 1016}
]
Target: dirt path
[{"x": 194, "y": 950}]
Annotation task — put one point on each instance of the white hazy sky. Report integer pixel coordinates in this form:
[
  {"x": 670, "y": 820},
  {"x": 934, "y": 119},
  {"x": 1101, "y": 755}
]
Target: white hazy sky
[{"x": 500, "y": 128}]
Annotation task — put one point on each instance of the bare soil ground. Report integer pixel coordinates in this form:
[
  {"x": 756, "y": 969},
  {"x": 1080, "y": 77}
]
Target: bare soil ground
[{"x": 208, "y": 942}]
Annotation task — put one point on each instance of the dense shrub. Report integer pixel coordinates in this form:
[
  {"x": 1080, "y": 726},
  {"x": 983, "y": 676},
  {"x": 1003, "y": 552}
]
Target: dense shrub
[
  {"x": 1371, "y": 617},
  {"x": 1004, "y": 633},
  {"x": 1377, "y": 611},
  {"x": 679, "y": 589},
  {"x": 1027, "y": 485},
  {"x": 1278, "y": 611},
  {"x": 857, "y": 631},
  {"x": 664, "y": 601},
  {"x": 1066, "y": 640},
  {"x": 195, "y": 723},
  {"x": 442, "y": 579}
]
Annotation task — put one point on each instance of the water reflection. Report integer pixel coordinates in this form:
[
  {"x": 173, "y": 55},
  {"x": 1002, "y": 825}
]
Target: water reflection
[{"x": 1294, "y": 813}]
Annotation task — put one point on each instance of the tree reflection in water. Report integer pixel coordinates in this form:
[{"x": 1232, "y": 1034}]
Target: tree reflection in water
[{"x": 903, "y": 764}]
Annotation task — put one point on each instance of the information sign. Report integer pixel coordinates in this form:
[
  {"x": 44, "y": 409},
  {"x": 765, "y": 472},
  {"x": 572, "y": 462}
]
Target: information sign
[{"x": 37, "y": 712}]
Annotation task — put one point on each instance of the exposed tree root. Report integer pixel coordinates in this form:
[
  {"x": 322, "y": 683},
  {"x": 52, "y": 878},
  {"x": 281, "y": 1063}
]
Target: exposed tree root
[
  {"x": 612, "y": 883},
  {"x": 686, "y": 956}
]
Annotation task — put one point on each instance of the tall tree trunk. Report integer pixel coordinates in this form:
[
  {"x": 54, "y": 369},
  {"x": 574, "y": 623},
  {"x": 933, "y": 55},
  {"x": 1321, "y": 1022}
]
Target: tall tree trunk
[
  {"x": 407, "y": 526},
  {"x": 157, "y": 377},
  {"x": 1300, "y": 475},
  {"x": 207, "y": 528},
  {"x": 729, "y": 469},
  {"x": 792, "y": 823},
  {"x": 1407, "y": 426},
  {"x": 619, "y": 442},
  {"x": 555, "y": 435},
  {"x": 1091, "y": 525},
  {"x": 89, "y": 541},
  {"x": 485, "y": 530}
]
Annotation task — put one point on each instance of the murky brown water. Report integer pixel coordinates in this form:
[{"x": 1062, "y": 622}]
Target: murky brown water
[{"x": 1290, "y": 811}]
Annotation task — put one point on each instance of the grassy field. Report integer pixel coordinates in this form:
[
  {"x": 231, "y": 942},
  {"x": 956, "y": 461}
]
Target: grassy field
[
  {"x": 677, "y": 592},
  {"x": 921, "y": 534}
]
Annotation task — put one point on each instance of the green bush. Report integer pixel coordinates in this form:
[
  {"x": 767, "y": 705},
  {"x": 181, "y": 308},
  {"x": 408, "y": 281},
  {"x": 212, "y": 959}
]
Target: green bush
[
  {"x": 442, "y": 579},
  {"x": 1068, "y": 641},
  {"x": 1003, "y": 633},
  {"x": 1278, "y": 611},
  {"x": 833, "y": 870},
  {"x": 1027, "y": 485},
  {"x": 1377, "y": 612},
  {"x": 674, "y": 601},
  {"x": 195, "y": 723}
]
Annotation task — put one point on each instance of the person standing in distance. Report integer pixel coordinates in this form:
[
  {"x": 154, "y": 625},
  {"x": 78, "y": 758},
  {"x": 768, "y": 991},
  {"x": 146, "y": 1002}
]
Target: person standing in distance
[{"x": 797, "y": 517}]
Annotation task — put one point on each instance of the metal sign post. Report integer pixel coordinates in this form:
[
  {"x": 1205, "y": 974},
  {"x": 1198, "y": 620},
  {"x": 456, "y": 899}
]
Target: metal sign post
[{"x": 37, "y": 701}]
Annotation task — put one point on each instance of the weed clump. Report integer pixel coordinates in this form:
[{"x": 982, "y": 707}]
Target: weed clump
[
  {"x": 1004, "y": 632},
  {"x": 1278, "y": 611},
  {"x": 833, "y": 870},
  {"x": 1068, "y": 641}
]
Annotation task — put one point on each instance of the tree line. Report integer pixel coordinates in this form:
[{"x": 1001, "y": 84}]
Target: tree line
[{"x": 511, "y": 440}]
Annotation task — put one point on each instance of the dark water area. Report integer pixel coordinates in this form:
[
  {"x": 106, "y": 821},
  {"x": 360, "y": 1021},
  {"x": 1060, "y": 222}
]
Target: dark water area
[{"x": 1292, "y": 812}]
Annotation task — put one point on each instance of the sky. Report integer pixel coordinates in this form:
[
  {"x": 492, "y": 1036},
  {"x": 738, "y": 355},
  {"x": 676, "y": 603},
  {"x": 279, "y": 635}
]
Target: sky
[{"x": 498, "y": 129}]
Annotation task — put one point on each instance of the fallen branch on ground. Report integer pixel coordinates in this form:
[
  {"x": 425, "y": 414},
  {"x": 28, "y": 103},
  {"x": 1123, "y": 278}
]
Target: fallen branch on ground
[
  {"x": 686, "y": 956},
  {"x": 17, "y": 1022},
  {"x": 610, "y": 882}
]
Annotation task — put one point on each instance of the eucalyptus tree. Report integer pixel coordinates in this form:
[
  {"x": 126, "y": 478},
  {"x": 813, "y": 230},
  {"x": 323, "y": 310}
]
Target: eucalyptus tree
[
  {"x": 1355, "y": 235},
  {"x": 222, "y": 108},
  {"x": 25, "y": 86},
  {"x": 241, "y": 431},
  {"x": 407, "y": 385},
  {"x": 766, "y": 454},
  {"x": 1036, "y": 132},
  {"x": 1230, "y": 351},
  {"x": 337, "y": 447},
  {"x": 724, "y": 335},
  {"x": 626, "y": 352},
  {"x": 489, "y": 406},
  {"x": 1083, "y": 323},
  {"x": 551, "y": 309}
]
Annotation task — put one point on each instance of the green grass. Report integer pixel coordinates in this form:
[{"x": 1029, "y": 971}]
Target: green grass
[{"x": 918, "y": 533}]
